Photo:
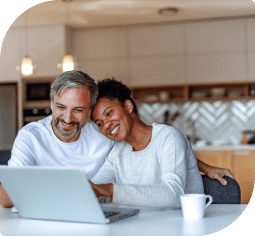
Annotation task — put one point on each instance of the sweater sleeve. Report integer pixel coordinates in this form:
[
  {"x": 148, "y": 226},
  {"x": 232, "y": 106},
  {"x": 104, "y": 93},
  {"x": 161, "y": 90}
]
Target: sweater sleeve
[
  {"x": 23, "y": 150},
  {"x": 105, "y": 174},
  {"x": 173, "y": 151}
]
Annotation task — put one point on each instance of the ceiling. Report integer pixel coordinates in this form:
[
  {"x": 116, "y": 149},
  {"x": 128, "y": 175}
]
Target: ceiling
[{"x": 103, "y": 13}]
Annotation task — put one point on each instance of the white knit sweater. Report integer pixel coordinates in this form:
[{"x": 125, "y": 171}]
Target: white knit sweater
[{"x": 155, "y": 176}]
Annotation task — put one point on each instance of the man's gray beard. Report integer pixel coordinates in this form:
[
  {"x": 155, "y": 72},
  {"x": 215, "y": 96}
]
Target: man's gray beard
[{"x": 79, "y": 127}]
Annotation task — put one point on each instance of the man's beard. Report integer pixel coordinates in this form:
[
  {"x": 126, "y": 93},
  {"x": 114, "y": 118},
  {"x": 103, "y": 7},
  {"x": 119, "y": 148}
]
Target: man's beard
[{"x": 64, "y": 134}]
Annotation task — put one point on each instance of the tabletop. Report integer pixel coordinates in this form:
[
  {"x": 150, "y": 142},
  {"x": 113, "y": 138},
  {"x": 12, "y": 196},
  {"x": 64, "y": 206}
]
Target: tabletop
[{"x": 147, "y": 222}]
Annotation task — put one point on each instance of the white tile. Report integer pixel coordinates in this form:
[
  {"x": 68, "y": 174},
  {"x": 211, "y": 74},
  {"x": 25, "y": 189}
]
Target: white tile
[
  {"x": 157, "y": 71},
  {"x": 218, "y": 67},
  {"x": 250, "y": 33},
  {"x": 101, "y": 43},
  {"x": 156, "y": 40},
  {"x": 216, "y": 36},
  {"x": 102, "y": 69}
]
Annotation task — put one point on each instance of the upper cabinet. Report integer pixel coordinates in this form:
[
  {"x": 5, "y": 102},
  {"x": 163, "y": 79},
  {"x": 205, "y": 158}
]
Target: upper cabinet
[
  {"x": 251, "y": 48},
  {"x": 46, "y": 47},
  {"x": 102, "y": 53},
  {"x": 11, "y": 55},
  {"x": 205, "y": 52},
  {"x": 216, "y": 52},
  {"x": 44, "y": 44},
  {"x": 156, "y": 55},
  {"x": 215, "y": 36}
]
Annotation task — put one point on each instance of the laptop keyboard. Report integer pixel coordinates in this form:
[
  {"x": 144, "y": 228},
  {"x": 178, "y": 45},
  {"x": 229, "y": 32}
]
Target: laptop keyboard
[{"x": 110, "y": 213}]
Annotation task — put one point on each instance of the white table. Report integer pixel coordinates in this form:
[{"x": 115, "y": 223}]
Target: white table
[{"x": 147, "y": 222}]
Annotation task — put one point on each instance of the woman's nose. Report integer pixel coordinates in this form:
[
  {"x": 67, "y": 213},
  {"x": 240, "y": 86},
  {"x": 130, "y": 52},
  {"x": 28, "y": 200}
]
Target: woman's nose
[{"x": 107, "y": 125}]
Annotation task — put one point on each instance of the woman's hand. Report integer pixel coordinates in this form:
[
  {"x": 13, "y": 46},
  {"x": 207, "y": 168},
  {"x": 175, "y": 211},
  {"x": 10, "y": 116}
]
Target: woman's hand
[
  {"x": 103, "y": 190},
  {"x": 214, "y": 172}
]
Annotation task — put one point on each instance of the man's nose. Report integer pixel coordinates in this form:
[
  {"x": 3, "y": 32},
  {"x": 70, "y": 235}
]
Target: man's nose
[{"x": 68, "y": 118}]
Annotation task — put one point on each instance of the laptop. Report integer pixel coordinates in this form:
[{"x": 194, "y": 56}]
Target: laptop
[{"x": 57, "y": 193}]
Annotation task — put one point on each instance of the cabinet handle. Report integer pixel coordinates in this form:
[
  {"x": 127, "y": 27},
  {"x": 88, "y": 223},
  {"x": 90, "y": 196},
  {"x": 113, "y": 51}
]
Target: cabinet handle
[{"x": 242, "y": 153}]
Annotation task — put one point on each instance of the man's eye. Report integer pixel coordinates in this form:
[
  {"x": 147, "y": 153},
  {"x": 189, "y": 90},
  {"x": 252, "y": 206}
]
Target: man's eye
[
  {"x": 59, "y": 107},
  {"x": 79, "y": 110}
]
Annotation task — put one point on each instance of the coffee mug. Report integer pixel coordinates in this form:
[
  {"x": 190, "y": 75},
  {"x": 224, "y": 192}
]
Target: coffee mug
[{"x": 194, "y": 205}]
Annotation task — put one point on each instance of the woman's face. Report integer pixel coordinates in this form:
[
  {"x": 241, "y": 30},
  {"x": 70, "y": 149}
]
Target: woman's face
[{"x": 113, "y": 119}]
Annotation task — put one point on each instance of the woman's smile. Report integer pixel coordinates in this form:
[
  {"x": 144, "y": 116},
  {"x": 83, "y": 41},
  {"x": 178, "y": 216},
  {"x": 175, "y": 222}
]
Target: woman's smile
[{"x": 114, "y": 130}]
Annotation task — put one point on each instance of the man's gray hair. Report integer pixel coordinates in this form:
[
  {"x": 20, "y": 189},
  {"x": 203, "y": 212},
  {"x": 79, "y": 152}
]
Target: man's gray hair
[{"x": 74, "y": 79}]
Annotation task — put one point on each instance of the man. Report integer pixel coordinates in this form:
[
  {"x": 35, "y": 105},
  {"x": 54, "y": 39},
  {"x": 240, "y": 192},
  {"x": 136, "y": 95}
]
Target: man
[{"x": 67, "y": 137}]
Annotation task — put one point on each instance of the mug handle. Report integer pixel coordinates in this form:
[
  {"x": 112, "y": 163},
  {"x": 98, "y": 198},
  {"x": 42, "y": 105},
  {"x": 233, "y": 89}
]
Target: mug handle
[{"x": 210, "y": 200}]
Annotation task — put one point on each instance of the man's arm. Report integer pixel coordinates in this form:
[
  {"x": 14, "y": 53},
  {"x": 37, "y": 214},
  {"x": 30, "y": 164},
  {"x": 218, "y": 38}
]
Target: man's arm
[
  {"x": 5, "y": 201},
  {"x": 214, "y": 172}
]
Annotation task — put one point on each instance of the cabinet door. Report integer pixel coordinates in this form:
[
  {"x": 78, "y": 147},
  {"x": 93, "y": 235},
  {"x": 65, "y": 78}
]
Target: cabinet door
[
  {"x": 219, "y": 158},
  {"x": 244, "y": 172}
]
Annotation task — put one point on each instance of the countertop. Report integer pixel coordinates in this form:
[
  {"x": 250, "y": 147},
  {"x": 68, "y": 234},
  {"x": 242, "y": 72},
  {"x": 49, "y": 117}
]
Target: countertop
[{"x": 224, "y": 147}]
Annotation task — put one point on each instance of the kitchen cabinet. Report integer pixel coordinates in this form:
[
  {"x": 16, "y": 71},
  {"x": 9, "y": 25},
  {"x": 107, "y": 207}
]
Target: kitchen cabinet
[
  {"x": 11, "y": 55},
  {"x": 244, "y": 172},
  {"x": 195, "y": 92},
  {"x": 241, "y": 163},
  {"x": 8, "y": 115}
]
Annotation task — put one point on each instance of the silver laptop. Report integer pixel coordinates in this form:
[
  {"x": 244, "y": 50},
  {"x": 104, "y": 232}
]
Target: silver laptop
[{"x": 54, "y": 193}]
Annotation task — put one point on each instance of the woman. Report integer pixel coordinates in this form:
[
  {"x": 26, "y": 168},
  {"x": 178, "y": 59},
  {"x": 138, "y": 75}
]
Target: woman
[{"x": 149, "y": 165}]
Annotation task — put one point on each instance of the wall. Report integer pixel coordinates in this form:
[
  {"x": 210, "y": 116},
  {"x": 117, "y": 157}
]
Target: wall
[
  {"x": 217, "y": 122},
  {"x": 192, "y": 52}
]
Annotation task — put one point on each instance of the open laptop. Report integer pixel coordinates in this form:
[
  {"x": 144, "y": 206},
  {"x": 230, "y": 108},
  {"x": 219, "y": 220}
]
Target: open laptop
[{"x": 60, "y": 193}]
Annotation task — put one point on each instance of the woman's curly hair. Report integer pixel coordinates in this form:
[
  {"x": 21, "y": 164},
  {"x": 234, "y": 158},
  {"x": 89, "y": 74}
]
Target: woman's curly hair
[{"x": 115, "y": 90}]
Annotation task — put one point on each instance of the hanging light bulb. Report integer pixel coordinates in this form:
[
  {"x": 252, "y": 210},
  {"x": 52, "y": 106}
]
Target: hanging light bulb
[
  {"x": 27, "y": 68},
  {"x": 68, "y": 61}
]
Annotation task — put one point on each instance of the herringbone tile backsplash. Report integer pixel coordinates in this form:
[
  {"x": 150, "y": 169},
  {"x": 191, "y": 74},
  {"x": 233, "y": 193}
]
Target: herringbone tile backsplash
[{"x": 210, "y": 121}]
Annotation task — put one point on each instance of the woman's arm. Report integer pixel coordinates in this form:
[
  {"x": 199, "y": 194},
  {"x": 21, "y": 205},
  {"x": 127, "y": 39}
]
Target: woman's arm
[
  {"x": 214, "y": 172},
  {"x": 168, "y": 163}
]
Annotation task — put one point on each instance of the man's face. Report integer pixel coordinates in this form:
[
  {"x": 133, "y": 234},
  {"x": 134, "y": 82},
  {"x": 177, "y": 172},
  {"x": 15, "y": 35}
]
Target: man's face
[{"x": 70, "y": 112}]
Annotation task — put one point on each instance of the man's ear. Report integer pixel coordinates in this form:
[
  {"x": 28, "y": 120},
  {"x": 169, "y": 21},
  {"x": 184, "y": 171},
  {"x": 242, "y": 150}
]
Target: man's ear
[
  {"x": 89, "y": 115},
  {"x": 51, "y": 105},
  {"x": 129, "y": 106}
]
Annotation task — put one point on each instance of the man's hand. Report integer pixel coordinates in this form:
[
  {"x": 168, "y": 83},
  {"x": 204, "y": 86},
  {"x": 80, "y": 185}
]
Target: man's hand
[
  {"x": 214, "y": 172},
  {"x": 103, "y": 189},
  {"x": 5, "y": 201}
]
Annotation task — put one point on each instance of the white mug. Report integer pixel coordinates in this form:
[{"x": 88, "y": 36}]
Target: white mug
[{"x": 194, "y": 205}]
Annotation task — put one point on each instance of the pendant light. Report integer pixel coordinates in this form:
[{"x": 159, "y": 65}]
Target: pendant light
[
  {"x": 68, "y": 61},
  {"x": 27, "y": 68}
]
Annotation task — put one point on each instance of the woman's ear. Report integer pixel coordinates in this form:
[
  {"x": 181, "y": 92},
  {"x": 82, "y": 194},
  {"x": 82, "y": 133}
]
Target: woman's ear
[{"x": 129, "y": 106}]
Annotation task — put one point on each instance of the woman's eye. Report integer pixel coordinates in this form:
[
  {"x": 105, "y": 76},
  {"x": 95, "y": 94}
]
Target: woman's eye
[
  {"x": 108, "y": 113},
  {"x": 99, "y": 124}
]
